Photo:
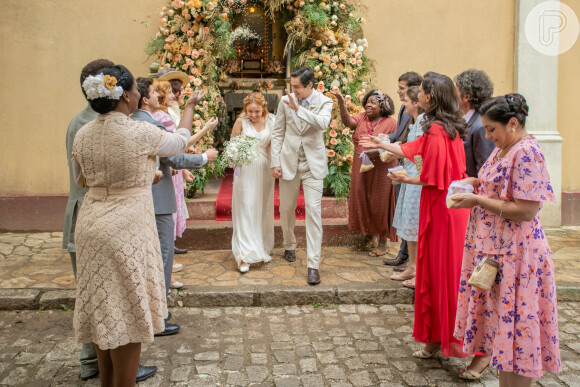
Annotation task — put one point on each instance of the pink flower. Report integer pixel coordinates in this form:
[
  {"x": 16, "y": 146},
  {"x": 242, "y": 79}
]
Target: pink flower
[
  {"x": 335, "y": 59},
  {"x": 318, "y": 43},
  {"x": 342, "y": 6},
  {"x": 190, "y": 33},
  {"x": 346, "y": 132},
  {"x": 206, "y": 30},
  {"x": 170, "y": 38},
  {"x": 359, "y": 62},
  {"x": 197, "y": 82},
  {"x": 352, "y": 61},
  {"x": 342, "y": 56},
  {"x": 230, "y": 2},
  {"x": 333, "y": 141},
  {"x": 333, "y": 133},
  {"x": 331, "y": 153},
  {"x": 333, "y": 124},
  {"x": 184, "y": 67},
  {"x": 333, "y": 66},
  {"x": 195, "y": 54}
]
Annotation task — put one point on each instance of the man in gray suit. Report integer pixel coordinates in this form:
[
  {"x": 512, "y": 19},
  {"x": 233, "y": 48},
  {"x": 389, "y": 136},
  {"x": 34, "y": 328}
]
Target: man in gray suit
[
  {"x": 164, "y": 192},
  {"x": 405, "y": 81},
  {"x": 474, "y": 88},
  {"x": 88, "y": 358}
]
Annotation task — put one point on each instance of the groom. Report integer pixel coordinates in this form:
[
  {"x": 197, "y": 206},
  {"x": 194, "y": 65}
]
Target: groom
[{"x": 299, "y": 156}]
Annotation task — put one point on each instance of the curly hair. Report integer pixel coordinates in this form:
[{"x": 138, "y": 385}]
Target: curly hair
[
  {"x": 477, "y": 84},
  {"x": 502, "y": 109},
  {"x": 444, "y": 105},
  {"x": 124, "y": 79},
  {"x": 163, "y": 88},
  {"x": 94, "y": 68},
  {"x": 386, "y": 102},
  {"x": 259, "y": 100}
]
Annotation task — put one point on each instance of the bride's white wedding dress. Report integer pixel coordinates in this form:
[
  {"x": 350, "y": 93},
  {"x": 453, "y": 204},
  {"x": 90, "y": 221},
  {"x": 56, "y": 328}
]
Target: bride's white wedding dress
[{"x": 253, "y": 201}]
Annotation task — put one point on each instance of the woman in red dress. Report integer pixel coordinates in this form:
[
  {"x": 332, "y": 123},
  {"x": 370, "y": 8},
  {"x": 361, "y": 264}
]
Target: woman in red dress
[
  {"x": 371, "y": 202},
  {"x": 441, "y": 231}
]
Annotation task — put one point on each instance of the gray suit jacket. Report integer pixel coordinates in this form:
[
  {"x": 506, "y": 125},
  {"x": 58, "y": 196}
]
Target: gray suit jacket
[
  {"x": 477, "y": 147},
  {"x": 401, "y": 123},
  {"x": 76, "y": 193},
  {"x": 163, "y": 192}
]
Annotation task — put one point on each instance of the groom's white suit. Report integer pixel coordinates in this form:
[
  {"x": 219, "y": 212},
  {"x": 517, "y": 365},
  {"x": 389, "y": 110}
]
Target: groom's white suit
[{"x": 298, "y": 148}]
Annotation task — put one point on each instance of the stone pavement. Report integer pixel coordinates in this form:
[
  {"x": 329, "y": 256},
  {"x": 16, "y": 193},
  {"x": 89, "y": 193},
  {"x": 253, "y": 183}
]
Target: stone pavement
[
  {"x": 36, "y": 261},
  {"x": 326, "y": 345}
]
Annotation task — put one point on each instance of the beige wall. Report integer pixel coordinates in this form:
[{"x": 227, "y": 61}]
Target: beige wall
[
  {"x": 44, "y": 45},
  {"x": 568, "y": 103}
]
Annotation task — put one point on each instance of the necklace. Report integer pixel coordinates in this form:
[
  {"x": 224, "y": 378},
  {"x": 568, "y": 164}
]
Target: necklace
[
  {"x": 372, "y": 127},
  {"x": 506, "y": 150}
]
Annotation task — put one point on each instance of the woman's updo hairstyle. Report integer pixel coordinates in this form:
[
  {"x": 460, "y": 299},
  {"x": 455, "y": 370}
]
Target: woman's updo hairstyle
[
  {"x": 502, "y": 109},
  {"x": 124, "y": 79},
  {"x": 259, "y": 100}
]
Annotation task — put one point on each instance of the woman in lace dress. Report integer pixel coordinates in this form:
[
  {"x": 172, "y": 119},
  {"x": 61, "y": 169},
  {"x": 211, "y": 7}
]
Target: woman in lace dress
[
  {"x": 120, "y": 300},
  {"x": 253, "y": 192}
]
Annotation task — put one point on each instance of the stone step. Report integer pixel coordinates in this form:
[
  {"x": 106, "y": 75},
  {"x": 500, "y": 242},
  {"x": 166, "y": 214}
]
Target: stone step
[
  {"x": 214, "y": 235},
  {"x": 203, "y": 207}
]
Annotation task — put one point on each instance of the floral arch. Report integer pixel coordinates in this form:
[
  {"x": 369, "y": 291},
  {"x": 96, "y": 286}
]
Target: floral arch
[{"x": 197, "y": 37}]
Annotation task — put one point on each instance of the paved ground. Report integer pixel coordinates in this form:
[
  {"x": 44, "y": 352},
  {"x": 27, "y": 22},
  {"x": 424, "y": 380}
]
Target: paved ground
[
  {"x": 36, "y": 260},
  {"x": 315, "y": 345}
]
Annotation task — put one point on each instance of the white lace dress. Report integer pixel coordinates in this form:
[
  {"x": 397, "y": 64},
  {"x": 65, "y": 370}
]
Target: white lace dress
[{"x": 253, "y": 201}]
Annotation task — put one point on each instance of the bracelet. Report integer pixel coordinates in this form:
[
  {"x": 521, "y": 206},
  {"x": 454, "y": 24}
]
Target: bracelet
[{"x": 501, "y": 208}]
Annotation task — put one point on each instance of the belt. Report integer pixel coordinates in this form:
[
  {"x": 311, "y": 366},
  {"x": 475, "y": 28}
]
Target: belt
[{"x": 133, "y": 191}]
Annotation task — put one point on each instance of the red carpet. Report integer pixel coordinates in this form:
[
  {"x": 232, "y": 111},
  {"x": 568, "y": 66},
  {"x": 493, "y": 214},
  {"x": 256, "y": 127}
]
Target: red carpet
[{"x": 223, "y": 204}]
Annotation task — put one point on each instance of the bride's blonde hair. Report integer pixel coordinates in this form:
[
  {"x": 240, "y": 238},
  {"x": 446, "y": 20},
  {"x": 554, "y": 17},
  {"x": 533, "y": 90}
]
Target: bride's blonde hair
[{"x": 259, "y": 100}]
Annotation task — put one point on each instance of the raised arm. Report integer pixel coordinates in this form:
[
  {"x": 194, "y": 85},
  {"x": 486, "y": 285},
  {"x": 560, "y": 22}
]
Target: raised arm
[
  {"x": 319, "y": 120},
  {"x": 345, "y": 116}
]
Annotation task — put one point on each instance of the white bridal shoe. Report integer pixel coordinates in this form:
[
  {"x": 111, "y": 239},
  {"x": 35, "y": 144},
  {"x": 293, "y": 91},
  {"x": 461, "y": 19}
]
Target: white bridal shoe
[{"x": 244, "y": 268}]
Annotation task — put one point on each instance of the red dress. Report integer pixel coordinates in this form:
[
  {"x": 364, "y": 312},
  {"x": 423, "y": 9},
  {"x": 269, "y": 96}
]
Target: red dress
[
  {"x": 441, "y": 239},
  {"x": 371, "y": 202}
]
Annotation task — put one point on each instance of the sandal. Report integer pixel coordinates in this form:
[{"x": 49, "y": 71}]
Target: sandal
[
  {"x": 409, "y": 284},
  {"x": 401, "y": 277},
  {"x": 471, "y": 374},
  {"x": 424, "y": 354},
  {"x": 378, "y": 253}
]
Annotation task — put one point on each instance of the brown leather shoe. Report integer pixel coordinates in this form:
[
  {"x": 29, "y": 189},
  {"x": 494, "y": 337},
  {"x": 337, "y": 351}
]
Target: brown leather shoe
[
  {"x": 395, "y": 261},
  {"x": 313, "y": 277},
  {"x": 289, "y": 255},
  {"x": 401, "y": 267}
]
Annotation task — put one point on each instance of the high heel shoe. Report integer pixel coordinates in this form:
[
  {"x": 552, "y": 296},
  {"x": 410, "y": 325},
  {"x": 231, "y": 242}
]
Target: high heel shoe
[{"x": 424, "y": 354}]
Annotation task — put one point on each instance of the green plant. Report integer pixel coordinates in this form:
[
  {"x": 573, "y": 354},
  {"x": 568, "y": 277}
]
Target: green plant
[{"x": 66, "y": 307}]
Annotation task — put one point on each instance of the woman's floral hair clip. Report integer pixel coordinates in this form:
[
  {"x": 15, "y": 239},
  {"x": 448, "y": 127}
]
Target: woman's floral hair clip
[
  {"x": 102, "y": 86},
  {"x": 383, "y": 101}
]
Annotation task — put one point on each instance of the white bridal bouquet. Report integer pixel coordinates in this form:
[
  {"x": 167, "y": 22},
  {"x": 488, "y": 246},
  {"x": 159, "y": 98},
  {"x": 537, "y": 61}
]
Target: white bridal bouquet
[{"x": 240, "y": 150}]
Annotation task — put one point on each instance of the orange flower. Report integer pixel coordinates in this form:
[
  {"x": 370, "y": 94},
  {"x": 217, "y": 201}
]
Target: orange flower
[
  {"x": 346, "y": 132},
  {"x": 109, "y": 81},
  {"x": 331, "y": 153},
  {"x": 333, "y": 124},
  {"x": 333, "y": 141},
  {"x": 333, "y": 66},
  {"x": 332, "y": 133}
]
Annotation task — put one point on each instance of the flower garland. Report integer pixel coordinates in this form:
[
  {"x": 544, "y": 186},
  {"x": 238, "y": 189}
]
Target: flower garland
[{"x": 323, "y": 34}]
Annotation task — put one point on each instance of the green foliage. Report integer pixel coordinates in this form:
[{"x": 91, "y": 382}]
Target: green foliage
[
  {"x": 315, "y": 15},
  {"x": 155, "y": 45},
  {"x": 66, "y": 307}
]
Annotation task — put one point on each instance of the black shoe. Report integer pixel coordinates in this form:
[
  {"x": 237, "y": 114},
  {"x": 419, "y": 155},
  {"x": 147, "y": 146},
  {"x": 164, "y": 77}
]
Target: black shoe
[
  {"x": 169, "y": 315},
  {"x": 395, "y": 261},
  {"x": 170, "y": 329},
  {"x": 145, "y": 372},
  {"x": 313, "y": 277},
  {"x": 289, "y": 255},
  {"x": 92, "y": 376},
  {"x": 177, "y": 250}
]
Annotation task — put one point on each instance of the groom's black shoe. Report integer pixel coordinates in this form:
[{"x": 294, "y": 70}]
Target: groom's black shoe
[
  {"x": 313, "y": 277},
  {"x": 289, "y": 255},
  {"x": 145, "y": 372}
]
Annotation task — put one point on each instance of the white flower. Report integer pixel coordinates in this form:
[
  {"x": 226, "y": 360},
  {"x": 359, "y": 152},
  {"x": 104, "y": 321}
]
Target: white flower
[{"x": 361, "y": 48}]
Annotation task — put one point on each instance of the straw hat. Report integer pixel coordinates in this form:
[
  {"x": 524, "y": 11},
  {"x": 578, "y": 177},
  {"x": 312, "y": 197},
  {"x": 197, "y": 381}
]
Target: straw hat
[{"x": 166, "y": 74}]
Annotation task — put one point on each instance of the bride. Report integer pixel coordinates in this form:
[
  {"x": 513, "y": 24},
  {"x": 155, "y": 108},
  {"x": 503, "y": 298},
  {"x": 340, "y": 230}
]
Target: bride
[{"x": 253, "y": 191}]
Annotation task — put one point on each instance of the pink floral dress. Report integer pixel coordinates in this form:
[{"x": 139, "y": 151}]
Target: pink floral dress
[
  {"x": 516, "y": 322},
  {"x": 179, "y": 217}
]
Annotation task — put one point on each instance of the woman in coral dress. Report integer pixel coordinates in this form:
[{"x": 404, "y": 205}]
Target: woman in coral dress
[
  {"x": 371, "y": 202},
  {"x": 441, "y": 231},
  {"x": 517, "y": 320}
]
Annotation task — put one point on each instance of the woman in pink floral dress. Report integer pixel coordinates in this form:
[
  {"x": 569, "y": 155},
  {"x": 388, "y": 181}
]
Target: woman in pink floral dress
[{"x": 516, "y": 322}]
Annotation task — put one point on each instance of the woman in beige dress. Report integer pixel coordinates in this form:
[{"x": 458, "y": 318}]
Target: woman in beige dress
[{"x": 120, "y": 294}]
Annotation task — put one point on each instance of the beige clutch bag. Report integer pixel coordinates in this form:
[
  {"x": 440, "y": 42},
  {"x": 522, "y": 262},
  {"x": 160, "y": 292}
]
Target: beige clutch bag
[{"x": 483, "y": 277}]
